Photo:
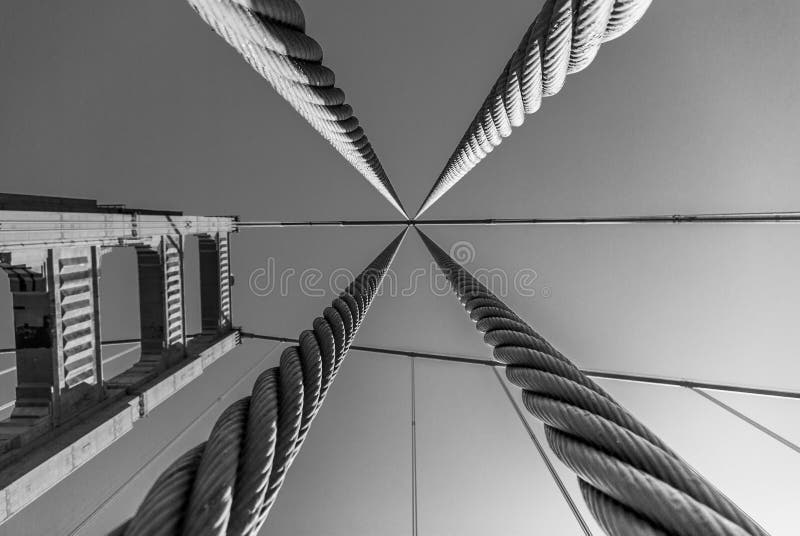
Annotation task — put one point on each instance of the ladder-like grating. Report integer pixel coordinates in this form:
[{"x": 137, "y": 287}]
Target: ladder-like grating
[
  {"x": 224, "y": 280},
  {"x": 76, "y": 300},
  {"x": 173, "y": 279}
]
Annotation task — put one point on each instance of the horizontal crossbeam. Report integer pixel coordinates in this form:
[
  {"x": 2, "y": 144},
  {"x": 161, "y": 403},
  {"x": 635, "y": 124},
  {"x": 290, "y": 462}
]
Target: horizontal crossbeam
[
  {"x": 637, "y": 378},
  {"x": 740, "y": 217}
]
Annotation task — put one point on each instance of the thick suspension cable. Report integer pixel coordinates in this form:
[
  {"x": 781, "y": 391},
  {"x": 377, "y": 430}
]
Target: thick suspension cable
[
  {"x": 227, "y": 485},
  {"x": 270, "y": 35},
  {"x": 563, "y": 39},
  {"x": 632, "y": 482}
]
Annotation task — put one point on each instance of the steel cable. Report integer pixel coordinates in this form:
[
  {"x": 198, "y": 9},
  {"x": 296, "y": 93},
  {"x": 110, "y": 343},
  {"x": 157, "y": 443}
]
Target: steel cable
[
  {"x": 227, "y": 485},
  {"x": 632, "y": 482},
  {"x": 270, "y": 35},
  {"x": 563, "y": 39}
]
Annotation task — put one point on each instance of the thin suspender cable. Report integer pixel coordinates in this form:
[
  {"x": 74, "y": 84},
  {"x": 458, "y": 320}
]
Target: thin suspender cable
[
  {"x": 724, "y": 218},
  {"x": 743, "y": 217},
  {"x": 727, "y": 217},
  {"x": 175, "y": 439},
  {"x": 631, "y": 480},
  {"x": 760, "y": 427},
  {"x": 414, "y": 510},
  {"x": 680, "y": 382},
  {"x": 544, "y": 456}
]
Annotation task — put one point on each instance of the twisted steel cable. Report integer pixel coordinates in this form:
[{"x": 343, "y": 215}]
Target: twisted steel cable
[
  {"x": 270, "y": 35},
  {"x": 563, "y": 39},
  {"x": 632, "y": 482},
  {"x": 227, "y": 485}
]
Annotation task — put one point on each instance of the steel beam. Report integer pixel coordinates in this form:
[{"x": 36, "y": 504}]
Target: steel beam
[
  {"x": 545, "y": 458},
  {"x": 754, "y": 217},
  {"x": 752, "y": 422}
]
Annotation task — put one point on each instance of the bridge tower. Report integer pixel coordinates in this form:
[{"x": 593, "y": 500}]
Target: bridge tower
[{"x": 65, "y": 410}]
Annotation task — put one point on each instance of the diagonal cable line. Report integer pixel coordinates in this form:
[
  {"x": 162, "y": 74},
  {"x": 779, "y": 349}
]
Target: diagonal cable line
[
  {"x": 760, "y": 427},
  {"x": 631, "y": 480},
  {"x": 545, "y": 458}
]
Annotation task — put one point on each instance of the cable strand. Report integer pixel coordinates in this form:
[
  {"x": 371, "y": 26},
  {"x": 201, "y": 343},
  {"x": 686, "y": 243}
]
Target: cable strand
[
  {"x": 563, "y": 39},
  {"x": 632, "y": 481},
  {"x": 270, "y": 36}
]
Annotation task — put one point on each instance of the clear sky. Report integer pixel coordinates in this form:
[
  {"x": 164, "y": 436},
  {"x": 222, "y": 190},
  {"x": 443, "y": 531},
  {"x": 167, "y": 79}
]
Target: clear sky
[{"x": 695, "y": 110}]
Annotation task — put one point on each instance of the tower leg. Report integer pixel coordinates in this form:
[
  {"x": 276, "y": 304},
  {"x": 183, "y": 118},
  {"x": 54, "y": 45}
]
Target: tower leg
[
  {"x": 215, "y": 283},
  {"x": 57, "y": 334},
  {"x": 161, "y": 304}
]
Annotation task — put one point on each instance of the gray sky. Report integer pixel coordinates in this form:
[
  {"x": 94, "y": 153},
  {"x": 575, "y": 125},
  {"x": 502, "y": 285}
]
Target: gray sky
[{"x": 695, "y": 110}]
